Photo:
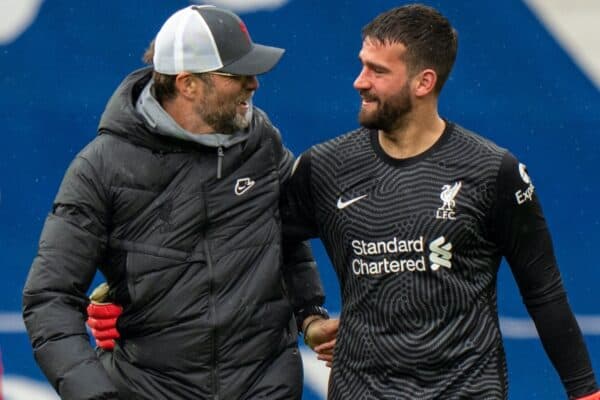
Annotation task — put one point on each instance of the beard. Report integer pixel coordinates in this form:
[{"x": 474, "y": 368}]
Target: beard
[
  {"x": 222, "y": 113},
  {"x": 389, "y": 114}
]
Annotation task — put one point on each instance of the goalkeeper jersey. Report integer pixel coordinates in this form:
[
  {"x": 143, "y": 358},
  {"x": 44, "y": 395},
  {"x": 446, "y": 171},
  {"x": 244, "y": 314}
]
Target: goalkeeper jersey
[{"x": 416, "y": 244}]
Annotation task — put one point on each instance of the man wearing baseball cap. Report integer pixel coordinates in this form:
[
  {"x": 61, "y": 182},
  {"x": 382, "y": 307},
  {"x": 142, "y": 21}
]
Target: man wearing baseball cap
[{"x": 176, "y": 203}]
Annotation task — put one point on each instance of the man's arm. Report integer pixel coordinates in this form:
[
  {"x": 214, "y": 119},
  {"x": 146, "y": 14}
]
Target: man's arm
[
  {"x": 299, "y": 221},
  {"x": 524, "y": 237},
  {"x": 303, "y": 282},
  {"x": 54, "y": 298},
  {"x": 299, "y": 267},
  {"x": 297, "y": 204}
]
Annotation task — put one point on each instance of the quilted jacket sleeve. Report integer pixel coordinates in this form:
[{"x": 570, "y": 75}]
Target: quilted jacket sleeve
[
  {"x": 72, "y": 243},
  {"x": 299, "y": 267}
]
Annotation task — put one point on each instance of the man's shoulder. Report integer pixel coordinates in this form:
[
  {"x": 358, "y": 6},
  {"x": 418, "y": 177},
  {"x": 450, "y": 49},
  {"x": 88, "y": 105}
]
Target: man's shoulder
[
  {"x": 262, "y": 128},
  {"x": 102, "y": 145},
  {"x": 105, "y": 153},
  {"x": 261, "y": 118},
  {"x": 344, "y": 144},
  {"x": 472, "y": 139}
]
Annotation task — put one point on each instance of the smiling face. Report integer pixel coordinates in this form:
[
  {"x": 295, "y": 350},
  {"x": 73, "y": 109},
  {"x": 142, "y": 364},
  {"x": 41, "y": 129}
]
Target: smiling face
[
  {"x": 226, "y": 101},
  {"x": 384, "y": 85}
]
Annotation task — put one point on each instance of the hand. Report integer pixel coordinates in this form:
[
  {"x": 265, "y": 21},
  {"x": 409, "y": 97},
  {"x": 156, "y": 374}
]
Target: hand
[
  {"x": 102, "y": 318},
  {"x": 320, "y": 335},
  {"x": 593, "y": 396}
]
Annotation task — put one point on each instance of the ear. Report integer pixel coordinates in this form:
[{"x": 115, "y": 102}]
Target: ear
[
  {"x": 425, "y": 82},
  {"x": 187, "y": 85}
]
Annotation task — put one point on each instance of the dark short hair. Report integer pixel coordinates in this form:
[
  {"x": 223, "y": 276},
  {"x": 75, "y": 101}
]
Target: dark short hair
[
  {"x": 430, "y": 39},
  {"x": 164, "y": 85}
]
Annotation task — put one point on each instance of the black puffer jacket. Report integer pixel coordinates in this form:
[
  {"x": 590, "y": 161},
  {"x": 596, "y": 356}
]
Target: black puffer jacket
[{"x": 195, "y": 260}]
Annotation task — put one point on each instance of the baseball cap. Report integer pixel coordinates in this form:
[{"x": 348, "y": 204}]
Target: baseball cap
[{"x": 206, "y": 38}]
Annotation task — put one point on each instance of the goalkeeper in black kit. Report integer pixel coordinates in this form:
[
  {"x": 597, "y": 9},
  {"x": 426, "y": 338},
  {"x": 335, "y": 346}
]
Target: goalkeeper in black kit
[{"x": 416, "y": 213}]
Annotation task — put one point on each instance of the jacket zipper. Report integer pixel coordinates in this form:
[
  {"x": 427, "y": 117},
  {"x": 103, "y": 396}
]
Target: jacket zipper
[
  {"x": 220, "y": 156},
  {"x": 212, "y": 311}
]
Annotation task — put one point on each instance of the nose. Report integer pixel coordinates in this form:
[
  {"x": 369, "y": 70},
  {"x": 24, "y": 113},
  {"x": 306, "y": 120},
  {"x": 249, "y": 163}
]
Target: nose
[
  {"x": 251, "y": 82},
  {"x": 361, "y": 82}
]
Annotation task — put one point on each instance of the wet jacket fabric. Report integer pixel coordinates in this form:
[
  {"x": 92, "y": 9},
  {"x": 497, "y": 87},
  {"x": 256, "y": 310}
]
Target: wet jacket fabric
[{"x": 196, "y": 260}]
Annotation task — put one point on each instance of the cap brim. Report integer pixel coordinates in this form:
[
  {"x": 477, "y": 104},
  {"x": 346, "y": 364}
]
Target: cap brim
[{"x": 257, "y": 61}]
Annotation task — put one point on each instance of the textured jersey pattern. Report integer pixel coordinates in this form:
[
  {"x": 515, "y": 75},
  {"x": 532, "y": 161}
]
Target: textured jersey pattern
[{"x": 410, "y": 243}]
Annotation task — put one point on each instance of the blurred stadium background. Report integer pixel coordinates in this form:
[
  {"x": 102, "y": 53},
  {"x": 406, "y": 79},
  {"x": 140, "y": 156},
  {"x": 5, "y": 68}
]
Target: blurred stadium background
[{"x": 527, "y": 76}]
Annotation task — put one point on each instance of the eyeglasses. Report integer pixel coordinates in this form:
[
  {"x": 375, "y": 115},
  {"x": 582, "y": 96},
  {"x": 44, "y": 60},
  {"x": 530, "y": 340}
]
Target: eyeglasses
[
  {"x": 232, "y": 76},
  {"x": 225, "y": 74}
]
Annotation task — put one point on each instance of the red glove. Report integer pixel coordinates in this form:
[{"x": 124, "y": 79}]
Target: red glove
[
  {"x": 593, "y": 396},
  {"x": 102, "y": 318}
]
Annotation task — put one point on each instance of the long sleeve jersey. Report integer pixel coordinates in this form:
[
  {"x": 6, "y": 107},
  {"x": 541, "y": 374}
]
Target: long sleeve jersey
[{"x": 416, "y": 244}]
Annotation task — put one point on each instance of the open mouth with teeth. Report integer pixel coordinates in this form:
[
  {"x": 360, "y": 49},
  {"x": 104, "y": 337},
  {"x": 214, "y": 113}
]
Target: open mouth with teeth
[
  {"x": 367, "y": 99},
  {"x": 243, "y": 104}
]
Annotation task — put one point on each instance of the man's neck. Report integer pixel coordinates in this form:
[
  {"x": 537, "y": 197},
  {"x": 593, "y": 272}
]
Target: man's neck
[
  {"x": 416, "y": 135},
  {"x": 184, "y": 115}
]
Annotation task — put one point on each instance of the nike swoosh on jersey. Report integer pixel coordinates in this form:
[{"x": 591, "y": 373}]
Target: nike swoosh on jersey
[{"x": 343, "y": 204}]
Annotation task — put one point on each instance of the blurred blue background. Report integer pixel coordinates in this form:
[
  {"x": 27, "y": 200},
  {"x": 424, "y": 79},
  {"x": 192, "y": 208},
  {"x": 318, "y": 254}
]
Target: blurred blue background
[{"x": 513, "y": 82}]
